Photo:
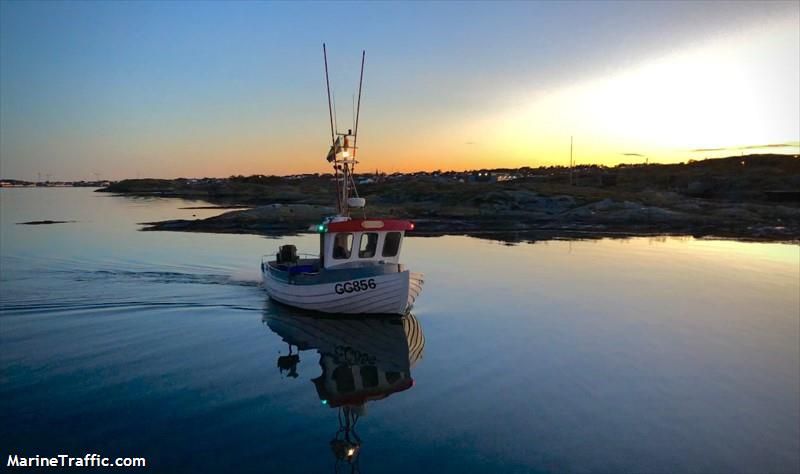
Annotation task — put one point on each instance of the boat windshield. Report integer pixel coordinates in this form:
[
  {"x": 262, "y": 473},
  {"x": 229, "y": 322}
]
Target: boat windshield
[
  {"x": 369, "y": 243},
  {"x": 342, "y": 246},
  {"x": 391, "y": 244}
]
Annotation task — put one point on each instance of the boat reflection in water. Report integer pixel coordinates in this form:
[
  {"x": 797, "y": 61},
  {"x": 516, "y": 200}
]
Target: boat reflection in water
[{"x": 363, "y": 359}]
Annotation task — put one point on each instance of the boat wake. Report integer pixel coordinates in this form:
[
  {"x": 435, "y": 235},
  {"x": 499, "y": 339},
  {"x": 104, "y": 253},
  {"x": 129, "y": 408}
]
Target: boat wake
[
  {"x": 74, "y": 290},
  {"x": 22, "y": 308},
  {"x": 166, "y": 277}
]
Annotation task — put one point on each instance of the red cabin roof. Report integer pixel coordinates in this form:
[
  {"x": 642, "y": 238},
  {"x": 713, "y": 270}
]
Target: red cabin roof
[
  {"x": 360, "y": 397},
  {"x": 359, "y": 225}
]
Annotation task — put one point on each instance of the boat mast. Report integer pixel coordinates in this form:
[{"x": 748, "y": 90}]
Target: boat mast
[
  {"x": 333, "y": 133},
  {"x": 343, "y": 153},
  {"x": 349, "y": 152}
]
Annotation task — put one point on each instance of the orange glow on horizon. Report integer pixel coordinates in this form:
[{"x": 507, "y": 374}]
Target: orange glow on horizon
[
  {"x": 714, "y": 101},
  {"x": 722, "y": 97}
]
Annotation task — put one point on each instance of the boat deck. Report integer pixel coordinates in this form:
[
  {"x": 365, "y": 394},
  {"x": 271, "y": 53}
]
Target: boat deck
[{"x": 302, "y": 265}]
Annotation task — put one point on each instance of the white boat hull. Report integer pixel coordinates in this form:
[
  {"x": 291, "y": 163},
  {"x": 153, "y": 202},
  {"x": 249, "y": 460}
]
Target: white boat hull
[{"x": 392, "y": 293}]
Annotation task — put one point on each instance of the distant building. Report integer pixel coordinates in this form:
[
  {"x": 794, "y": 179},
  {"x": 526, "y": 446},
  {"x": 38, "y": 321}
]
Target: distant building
[{"x": 484, "y": 176}]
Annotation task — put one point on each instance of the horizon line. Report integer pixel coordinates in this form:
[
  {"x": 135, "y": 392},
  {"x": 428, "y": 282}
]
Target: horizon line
[{"x": 619, "y": 165}]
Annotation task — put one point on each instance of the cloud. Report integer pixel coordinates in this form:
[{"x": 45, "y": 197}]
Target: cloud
[
  {"x": 632, "y": 154},
  {"x": 771, "y": 145},
  {"x": 751, "y": 147},
  {"x": 711, "y": 149}
]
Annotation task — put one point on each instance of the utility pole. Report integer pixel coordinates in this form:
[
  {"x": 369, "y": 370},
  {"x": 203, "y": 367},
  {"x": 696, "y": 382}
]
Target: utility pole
[{"x": 571, "y": 164}]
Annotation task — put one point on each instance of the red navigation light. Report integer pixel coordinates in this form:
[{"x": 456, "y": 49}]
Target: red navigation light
[{"x": 411, "y": 225}]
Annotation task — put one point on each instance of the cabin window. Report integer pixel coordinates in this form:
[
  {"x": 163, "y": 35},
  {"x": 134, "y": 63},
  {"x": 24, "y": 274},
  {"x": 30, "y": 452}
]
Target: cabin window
[
  {"x": 343, "y": 376},
  {"x": 391, "y": 244},
  {"x": 369, "y": 243},
  {"x": 342, "y": 246},
  {"x": 369, "y": 376},
  {"x": 392, "y": 377}
]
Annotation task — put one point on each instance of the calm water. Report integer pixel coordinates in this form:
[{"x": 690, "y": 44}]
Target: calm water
[{"x": 639, "y": 355}]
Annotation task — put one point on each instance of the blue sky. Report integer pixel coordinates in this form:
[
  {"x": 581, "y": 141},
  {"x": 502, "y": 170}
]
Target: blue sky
[{"x": 201, "y": 88}]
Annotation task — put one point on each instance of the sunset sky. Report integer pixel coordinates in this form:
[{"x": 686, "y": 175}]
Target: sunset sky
[{"x": 162, "y": 89}]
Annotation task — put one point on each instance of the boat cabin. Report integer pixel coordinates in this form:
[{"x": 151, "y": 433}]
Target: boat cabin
[
  {"x": 346, "y": 243},
  {"x": 354, "y": 242},
  {"x": 352, "y": 384}
]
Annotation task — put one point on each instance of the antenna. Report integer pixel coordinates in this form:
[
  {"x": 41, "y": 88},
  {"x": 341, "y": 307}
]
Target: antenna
[
  {"x": 335, "y": 120},
  {"x": 333, "y": 134},
  {"x": 358, "y": 108},
  {"x": 328, "y": 84}
]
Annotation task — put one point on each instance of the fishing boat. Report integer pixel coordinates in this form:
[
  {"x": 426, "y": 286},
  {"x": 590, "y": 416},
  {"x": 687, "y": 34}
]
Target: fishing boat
[{"x": 358, "y": 269}]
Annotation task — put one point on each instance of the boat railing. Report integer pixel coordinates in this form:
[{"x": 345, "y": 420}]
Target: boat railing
[
  {"x": 308, "y": 256},
  {"x": 306, "y": 263}
]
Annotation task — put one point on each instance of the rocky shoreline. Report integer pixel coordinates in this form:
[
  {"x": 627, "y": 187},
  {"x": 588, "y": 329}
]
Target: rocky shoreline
[
  {"x": 752, "y": 198},
  {"x": 544, "y": 219}
]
